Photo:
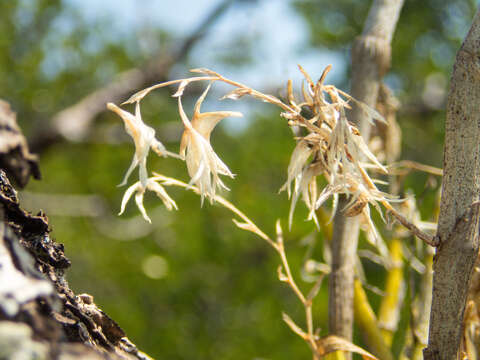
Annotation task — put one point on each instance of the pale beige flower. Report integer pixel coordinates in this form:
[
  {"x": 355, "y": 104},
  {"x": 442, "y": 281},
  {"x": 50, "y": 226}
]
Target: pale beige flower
[
  {"x": 139, "y": 190},
  {"x": 306, "y": 186},
  {"x": 298, "y": 160},
  {"x": 203, "y": 165},
  {"x": 333, "y": 147},
  {"x": 144, "y": 139}
]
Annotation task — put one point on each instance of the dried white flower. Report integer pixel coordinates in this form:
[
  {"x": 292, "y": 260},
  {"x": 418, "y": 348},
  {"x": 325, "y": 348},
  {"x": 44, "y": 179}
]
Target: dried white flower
[
  {"x": 144, "y": 139},
  {"x": 203, "y": 165},
  {"x": 298, "y": 160},
  {"x": 337, "y": 151},
  {"x": 139, "y": 189}
]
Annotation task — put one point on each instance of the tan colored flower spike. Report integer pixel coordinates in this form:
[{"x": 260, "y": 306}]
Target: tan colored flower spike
[
  {"x": 329, "y": 146},
  {"x": 144, "y": 139},
  {"x": 203, "y": 164}
]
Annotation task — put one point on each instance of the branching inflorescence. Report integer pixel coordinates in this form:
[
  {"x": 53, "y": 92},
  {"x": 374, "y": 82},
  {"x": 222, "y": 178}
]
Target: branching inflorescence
[{"x": 328, "y": 146}]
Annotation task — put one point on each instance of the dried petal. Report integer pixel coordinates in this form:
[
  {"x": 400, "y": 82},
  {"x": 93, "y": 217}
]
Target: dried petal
[
  {"x": 203, "y": 164},
  {"x": 298, "y": 160},
  {"x": 331, "y": 343},
  {"x": 139, "y": 191},
  {"x": 143, "y": 136}
]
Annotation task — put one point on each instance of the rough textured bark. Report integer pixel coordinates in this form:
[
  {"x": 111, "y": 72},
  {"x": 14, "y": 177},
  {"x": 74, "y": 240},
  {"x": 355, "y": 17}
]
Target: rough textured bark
[
  {"x": 40, "y": 316},
  {"x": 370, "y": 60},
  {"x": 15, "y": 156},
  {"x": 458, "y": 221}
]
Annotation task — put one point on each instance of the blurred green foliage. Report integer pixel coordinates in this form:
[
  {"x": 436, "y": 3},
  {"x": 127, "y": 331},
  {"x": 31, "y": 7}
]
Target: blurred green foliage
[{"x": 217, "y": 295}]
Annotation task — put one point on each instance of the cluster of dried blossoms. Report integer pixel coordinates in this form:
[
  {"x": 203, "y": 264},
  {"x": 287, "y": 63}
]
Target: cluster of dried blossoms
[{"x": 328, "y": 146}]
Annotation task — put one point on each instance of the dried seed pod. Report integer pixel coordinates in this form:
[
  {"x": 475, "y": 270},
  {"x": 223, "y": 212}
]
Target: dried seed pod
[{"x": 356, "y": 208}]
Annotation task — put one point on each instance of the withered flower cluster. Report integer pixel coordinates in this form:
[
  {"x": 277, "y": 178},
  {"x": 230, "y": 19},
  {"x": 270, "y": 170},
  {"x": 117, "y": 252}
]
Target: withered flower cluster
[{"x": 328, "y": 146}]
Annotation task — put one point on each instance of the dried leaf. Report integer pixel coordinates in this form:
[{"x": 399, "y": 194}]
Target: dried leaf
[
  {"x": 371, "y": 112},
  {"x": 334, "y": 343},
  {"x": 356, "y": 208},
  {"x": 307, "y": 77}
]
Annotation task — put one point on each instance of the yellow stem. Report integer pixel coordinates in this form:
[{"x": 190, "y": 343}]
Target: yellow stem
[
  {"x": 337, "y": 355},
  {"x": 367, "y": 323},
  {"x": 388, "y": 315}
]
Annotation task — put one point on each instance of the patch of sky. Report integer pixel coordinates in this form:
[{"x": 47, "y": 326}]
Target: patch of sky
[{"x": 276, "y": 39}]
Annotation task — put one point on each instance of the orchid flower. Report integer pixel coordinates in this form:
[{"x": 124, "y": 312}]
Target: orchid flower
[
  {"x": 144, "y": 139},
  {"x": 139, "y": 189},
  {"x": 203, "y": 165}
]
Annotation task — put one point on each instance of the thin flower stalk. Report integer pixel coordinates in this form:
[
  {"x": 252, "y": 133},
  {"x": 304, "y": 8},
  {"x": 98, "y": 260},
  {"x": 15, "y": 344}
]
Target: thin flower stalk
[
  {"x": 332, "y": 147},
  {"x": 284, "y": 272}
]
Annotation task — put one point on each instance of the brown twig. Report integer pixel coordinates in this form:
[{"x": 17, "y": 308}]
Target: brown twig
[{"x": 427, "y": 238}]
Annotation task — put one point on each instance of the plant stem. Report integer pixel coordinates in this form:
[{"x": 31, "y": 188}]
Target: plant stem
[
  {"x": 367, "y": 321},
  {"x": 370, "y": 60}
]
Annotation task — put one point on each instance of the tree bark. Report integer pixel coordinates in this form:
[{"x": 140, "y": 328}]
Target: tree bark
[
  {"x": 370, "y": 61},
  {"x": 40, "y": 316},
  {"x": 458, "y": 221}
]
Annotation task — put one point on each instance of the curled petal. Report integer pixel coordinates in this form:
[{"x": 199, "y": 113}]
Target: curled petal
[
  {"x": 139, "y": 191},
  {"x": 203, "y": 165},
  {"x": 128, "y": 194},
  {"x": 360, "y": 143},
  {"x": 205, "y": 123},
  {"x": 181, "y": 88},
  {"x": 139, "y": 201},
  {"x": 129, "y": 120},
  {"x": 162, "y": 194},
  {"x": 144, "y": 138},
  {"x": 299, "y": 157}
]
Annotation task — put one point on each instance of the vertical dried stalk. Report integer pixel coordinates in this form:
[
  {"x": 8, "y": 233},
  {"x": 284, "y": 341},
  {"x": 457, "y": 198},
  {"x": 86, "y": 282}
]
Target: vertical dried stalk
[
  {"x": 458, "y": 221},
  {"x": 370, "y": 61}
]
